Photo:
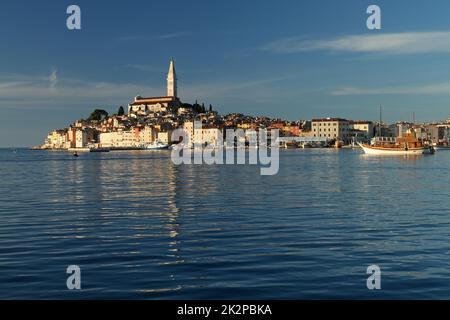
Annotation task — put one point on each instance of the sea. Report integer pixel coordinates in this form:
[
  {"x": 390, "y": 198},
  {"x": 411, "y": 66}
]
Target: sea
[{"x": 140, "y": 227}]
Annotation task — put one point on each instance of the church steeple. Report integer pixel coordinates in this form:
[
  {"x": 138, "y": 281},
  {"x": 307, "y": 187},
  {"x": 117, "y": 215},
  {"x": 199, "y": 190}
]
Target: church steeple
[{"x": 172, "y": 80}]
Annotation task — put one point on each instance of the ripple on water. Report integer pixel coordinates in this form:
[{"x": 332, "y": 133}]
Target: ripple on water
[{"x": 140, "y": 227}]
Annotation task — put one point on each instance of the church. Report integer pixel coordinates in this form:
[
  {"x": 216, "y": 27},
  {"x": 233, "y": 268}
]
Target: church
[{"x": 142, "y": 105}]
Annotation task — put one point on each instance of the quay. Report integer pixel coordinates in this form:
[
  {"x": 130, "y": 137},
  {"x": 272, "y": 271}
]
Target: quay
[{"x": 86, "y": 149}]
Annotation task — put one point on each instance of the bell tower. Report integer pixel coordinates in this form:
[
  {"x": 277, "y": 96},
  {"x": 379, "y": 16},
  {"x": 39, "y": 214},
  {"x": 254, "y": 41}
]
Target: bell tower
[{"x": 172, "y": 80}]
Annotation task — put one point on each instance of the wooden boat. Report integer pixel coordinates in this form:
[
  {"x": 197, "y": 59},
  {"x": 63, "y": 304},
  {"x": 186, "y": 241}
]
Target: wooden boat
[{"x": 407, "y": 145}]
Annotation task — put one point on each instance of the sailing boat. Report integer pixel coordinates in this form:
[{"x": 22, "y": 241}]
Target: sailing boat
[
  {"x": 399, "y": 146},
  {"x": 407, "y": 145}
]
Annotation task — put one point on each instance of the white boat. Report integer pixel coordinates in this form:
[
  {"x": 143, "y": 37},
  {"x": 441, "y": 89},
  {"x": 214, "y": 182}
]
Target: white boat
[
  {"x": 157, "y": 145},
  {"x": 405, "y": 145},
  {"x": 441, "y": 147},
  {"x": 395, "y": 151}
]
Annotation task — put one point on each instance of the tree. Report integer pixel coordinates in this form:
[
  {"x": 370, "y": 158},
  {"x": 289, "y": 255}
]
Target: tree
[
  {"x": 98, "y": 115},
  {"x": 196, "y": 107},
  {"x": 121, "y": 111},
  {"x": 210, "y": 108}
]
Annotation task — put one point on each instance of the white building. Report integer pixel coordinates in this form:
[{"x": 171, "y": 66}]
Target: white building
[
  {"x": 81, "y": 138},
  {"x": 209, "y": 136},
  {"x": 362, "y": 128},
  {"x": 202, "y": 135}
]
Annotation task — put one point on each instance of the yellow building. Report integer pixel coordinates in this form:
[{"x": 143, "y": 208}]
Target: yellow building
[
  {"x": 331, "y": 128},
  {"x": 57, "y": 139},
  {"x": 204, "y": 135},
  {"x": 147, "y": 135}
]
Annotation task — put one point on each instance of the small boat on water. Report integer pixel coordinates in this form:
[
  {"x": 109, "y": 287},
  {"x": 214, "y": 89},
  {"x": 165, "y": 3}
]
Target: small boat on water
[
  {"x": 157, "y": 145},
  {"x": 439, "y": 147},
  {"x": 442, "y": 146},
  {"x": 407, "y": 145}
]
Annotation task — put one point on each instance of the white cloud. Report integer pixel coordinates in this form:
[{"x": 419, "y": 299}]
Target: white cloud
[
  {"x": 388, "y": 43},
  {"x": 436, "y": 88},
  {"x": 24, "y": 91},
  {"x": 166, "y": 36}
]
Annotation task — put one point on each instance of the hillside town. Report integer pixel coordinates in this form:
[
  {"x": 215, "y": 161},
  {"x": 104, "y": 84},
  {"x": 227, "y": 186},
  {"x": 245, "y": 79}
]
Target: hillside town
[{"x": 153, "y": 119}]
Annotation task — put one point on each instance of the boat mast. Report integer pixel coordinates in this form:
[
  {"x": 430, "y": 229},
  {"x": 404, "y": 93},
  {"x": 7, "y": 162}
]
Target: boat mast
[{"x": 379, "y": 125}]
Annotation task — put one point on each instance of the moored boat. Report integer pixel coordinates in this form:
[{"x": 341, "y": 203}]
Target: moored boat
[
  {"x": 396, "y": 150},
  {"x": 407, "y": 145},
  {"x": 441, "y": 146},
  {"x": 157, "y": 145}
]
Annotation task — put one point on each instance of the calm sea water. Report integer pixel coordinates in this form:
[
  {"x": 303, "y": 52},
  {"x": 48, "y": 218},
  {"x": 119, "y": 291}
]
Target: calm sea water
[{"x": 141, "y": 228}]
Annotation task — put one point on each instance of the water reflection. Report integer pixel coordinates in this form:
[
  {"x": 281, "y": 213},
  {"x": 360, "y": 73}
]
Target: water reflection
[{"x": 141, "y": 227}]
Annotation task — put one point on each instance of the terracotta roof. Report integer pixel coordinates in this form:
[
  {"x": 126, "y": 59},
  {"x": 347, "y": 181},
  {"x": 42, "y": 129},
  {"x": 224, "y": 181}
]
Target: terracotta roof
[
  {"x": 361, "y": 122},
  {"x": 328, "y": 119},
  {"x": 162, "y": 97},
  {"x": 140, "y": 101}
]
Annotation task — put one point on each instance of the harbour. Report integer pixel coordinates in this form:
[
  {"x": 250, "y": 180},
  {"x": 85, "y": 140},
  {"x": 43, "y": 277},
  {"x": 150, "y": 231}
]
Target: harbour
[
  {"x": 225, "y": 159},
  {"x": 141, "y": 227}
]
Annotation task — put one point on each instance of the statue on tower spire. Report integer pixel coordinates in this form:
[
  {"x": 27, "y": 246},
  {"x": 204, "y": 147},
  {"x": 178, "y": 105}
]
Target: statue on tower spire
[{"x": 172, "y": 80}]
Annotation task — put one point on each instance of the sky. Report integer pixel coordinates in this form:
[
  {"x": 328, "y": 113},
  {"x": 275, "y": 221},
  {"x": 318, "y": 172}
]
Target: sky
[{"x": 288, "y": 59}]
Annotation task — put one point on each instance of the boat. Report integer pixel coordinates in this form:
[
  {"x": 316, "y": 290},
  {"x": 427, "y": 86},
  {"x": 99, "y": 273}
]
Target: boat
[
  {"x": 157, "y": 145},
  {"x": 441, "y": 147},
  {"x": 407, "y": 145}
]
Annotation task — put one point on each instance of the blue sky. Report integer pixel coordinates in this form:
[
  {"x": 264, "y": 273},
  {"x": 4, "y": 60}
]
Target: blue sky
[{"x": 289, "y": 59}]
